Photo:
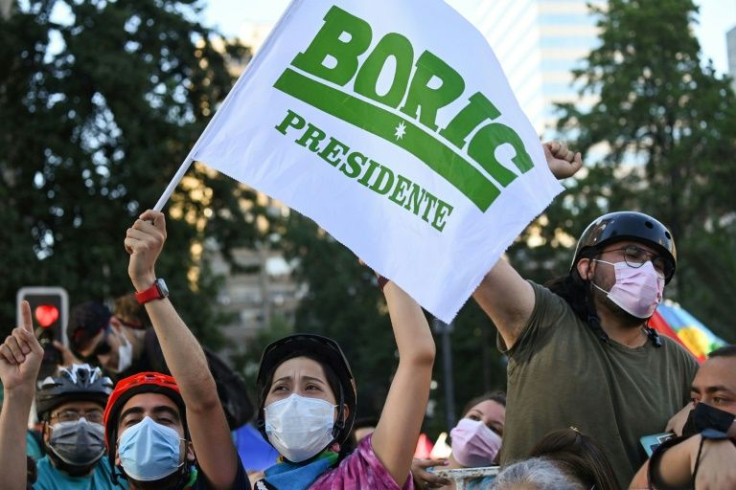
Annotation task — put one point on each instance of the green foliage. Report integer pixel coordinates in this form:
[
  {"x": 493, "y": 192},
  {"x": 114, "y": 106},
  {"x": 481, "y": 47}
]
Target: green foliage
[
  {"x": 99, "y": 105},
  {"x": 344, "y": 302},
  {"x": 477, "y": 366},
  {"x": 248, "y": 359},
  {"x": 663, "y": 134}
]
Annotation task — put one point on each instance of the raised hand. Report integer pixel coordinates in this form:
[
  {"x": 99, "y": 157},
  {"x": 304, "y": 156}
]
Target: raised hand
[
  {"x": 424, "y": 479},
  {"x": 21, "y": 355},
  {"x": 562, "y": 161},
  {"x": 144, "y": 242},
  {"x": 677, "y": 422}
]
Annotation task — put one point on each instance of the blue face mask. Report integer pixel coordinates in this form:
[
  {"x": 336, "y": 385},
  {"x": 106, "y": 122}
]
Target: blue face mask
[{"x": 150, "y": 451}]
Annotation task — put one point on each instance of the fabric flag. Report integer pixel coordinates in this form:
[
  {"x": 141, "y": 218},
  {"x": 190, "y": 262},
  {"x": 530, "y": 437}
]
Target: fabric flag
[
  {"x": 674, "y": 321},
  {"x": 391, "y": 124}
]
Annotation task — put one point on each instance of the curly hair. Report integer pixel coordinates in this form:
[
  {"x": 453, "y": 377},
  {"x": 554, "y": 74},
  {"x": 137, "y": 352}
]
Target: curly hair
[{"x": 578, "y": 293}]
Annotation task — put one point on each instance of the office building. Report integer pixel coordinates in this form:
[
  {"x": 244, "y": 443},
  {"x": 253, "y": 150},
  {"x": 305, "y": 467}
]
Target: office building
[{"x": 539, "y": 43}]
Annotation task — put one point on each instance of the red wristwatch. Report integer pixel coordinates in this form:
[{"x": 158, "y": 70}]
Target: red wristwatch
[{"x": 157, "y": 291}]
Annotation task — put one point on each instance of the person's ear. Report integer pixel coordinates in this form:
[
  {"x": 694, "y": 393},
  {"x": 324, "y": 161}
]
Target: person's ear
[
  {"x": 189, "y": 452},
  {"x": 586, "y": 268},
  {"x": 45, "y": 431},
  {"x": 345, "y": 412}
]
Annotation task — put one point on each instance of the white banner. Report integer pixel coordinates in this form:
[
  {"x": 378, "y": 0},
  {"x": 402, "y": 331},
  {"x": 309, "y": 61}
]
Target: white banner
[{"x": 391, "y": 124}]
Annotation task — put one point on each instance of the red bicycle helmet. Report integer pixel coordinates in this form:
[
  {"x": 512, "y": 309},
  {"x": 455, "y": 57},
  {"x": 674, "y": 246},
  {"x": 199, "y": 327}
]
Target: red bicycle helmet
[{"x": 146, "y": 382}]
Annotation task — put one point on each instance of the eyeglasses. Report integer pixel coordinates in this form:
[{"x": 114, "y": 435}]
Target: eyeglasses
[
  {"x": 94, "y": 416},
  {"x": 636, "y": 257},
  {"x": 103, "y": 347}
]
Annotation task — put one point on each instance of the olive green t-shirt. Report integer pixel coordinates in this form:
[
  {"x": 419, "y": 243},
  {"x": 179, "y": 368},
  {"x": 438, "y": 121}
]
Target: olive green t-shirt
[{"x": 561, "y": 374}]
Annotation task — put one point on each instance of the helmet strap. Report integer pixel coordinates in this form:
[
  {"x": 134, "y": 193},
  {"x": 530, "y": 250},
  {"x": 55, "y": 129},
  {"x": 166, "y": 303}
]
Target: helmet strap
[{"x": 340, "y": 422}]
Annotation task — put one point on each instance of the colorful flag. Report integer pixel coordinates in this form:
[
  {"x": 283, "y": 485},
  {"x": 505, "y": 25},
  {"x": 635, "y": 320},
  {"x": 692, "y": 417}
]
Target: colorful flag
[
  {"x": 391, "y": 124},
  {"x": 672, "y": 320}
]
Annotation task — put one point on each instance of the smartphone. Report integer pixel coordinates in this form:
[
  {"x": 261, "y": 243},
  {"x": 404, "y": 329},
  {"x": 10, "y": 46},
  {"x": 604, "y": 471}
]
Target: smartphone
[{"x": 652, "y": 442}]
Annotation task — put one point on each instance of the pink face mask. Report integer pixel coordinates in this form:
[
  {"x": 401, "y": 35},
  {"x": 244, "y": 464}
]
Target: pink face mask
[
  {"x": 638, "y": 290},
  {"x": 474, "y": 444}
]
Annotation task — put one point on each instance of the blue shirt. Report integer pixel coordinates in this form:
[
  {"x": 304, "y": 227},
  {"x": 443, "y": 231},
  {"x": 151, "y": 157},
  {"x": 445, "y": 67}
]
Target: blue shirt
[
  {"x": 51, "y": 478},
  {"x": 33, "y": 449}
]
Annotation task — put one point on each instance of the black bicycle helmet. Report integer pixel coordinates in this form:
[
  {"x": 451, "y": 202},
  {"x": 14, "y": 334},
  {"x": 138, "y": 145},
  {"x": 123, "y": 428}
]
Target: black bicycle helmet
[
  {"x": 325, "y": 351},
  {"x": 80, "y": 382},
  {"x": 628, "y": 225}
]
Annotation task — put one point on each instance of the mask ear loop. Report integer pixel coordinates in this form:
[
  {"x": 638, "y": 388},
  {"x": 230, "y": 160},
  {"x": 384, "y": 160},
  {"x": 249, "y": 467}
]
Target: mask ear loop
[
  {"x": 115, "y": 473},
  {"x": 114, "y": 470}
]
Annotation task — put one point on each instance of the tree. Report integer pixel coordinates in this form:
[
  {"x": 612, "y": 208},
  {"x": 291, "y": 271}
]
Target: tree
[
  {"x": 663, "y": 133},
  {"x": 343, "y": 302},
  {"x": 99, "y": 104}
]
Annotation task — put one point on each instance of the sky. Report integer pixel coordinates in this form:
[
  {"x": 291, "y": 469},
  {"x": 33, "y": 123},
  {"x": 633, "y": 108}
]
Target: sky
[{"x": 716, "y": 18}]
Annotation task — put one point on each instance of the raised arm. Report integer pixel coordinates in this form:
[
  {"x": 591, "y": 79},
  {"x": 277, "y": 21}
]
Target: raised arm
[
  {"x": 397, "y": 432},
  {"x": 213, "y": 446},
  {"x": 676, "y": 466},
  {"x": 504, "y": 295},
  {"x": 507, "y": 299},
  {"x": 20, "y": 361}
]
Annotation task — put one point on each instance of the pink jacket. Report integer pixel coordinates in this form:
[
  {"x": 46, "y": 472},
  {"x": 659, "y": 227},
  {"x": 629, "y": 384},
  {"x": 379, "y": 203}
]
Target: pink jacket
[{"x": 360, "y": 470}]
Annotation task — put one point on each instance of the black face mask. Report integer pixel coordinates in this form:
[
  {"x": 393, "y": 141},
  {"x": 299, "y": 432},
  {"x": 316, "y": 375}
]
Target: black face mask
[{"x": 706, "y": 417}]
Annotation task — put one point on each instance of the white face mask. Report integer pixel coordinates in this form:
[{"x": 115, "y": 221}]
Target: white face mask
[
  {"x": 299, "y": 427},
  {"x": 125, "y": 353}
]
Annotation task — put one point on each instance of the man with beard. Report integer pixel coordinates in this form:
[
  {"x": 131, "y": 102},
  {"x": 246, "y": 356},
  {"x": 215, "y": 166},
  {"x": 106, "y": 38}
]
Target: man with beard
[
  {"x": 70, "y": 406},
  {"x": 580, "y": 351}
]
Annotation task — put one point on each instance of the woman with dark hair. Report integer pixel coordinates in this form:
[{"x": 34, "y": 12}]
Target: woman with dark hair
[
  {"x": 579, "y": 456},
  {"x": 476, "y": 440},
  {"x": 307, "y": 401}
]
